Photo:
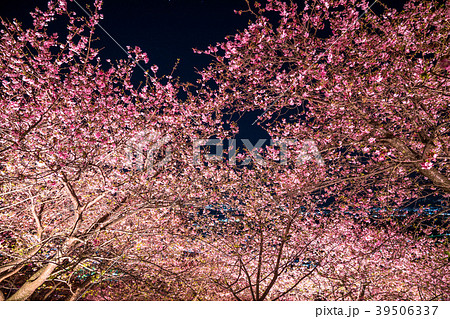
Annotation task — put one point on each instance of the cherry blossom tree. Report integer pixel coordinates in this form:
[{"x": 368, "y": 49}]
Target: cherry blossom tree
[
  {"x": 371, "y": 90},
  {"x": 271, "y": 247},
  {"x": 71, "y": 181},
  {"x": 103, "y": 198}
]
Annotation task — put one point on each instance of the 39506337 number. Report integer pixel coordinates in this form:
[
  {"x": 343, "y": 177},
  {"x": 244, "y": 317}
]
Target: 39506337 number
[{"x": 406, "y": 310}]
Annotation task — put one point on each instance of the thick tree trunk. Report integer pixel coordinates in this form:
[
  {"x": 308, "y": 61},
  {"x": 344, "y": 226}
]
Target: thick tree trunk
[
  {"x": 39, "y": 277},
  {"x": 33, "y": 283}
]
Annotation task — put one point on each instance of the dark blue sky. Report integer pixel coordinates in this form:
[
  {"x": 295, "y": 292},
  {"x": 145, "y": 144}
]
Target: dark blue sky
[{"x": 165, "y": 29}]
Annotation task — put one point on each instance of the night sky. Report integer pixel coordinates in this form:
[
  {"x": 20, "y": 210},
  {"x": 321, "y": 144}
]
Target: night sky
[{"x": 166, "y": 30}]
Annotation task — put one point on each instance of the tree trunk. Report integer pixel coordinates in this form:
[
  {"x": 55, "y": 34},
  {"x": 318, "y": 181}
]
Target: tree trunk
[
  {"x": 80, "y": 290},
  {"x": 439, "y": 180},
  {"x": 33, "y": 283}
]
